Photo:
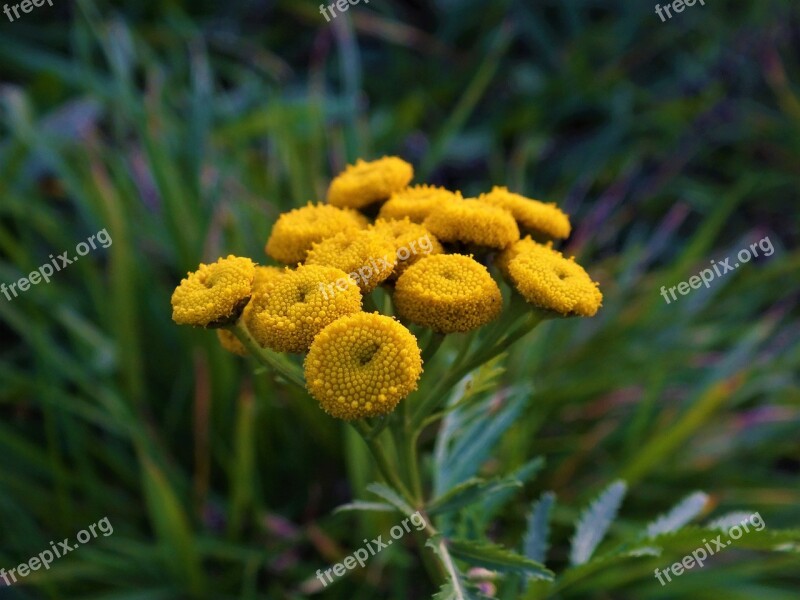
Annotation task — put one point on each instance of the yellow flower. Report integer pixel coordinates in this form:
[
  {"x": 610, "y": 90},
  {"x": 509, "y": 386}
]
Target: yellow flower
[
  {"x": 532, "y": 215},
  {"x": 367, "y": 256},
  {"x": 362, "y": 365},
  {"x": 473, "y": 222},
  {"x": 215, "y": 294},
  {"x": 230, "y": 342},
  {"x": 416, "y": 202},
  {"x": 502, "y": 259},
  {"x": 448, "y": 293},
  {"x": 265, "y": 276},
  {"x": 294, "y": 232},
  {"x": 547, "y": 279},
  {"x": 365, "y": 182},
  {"x": 287, "y": 314},
  {"x": 412, "y": 242}
]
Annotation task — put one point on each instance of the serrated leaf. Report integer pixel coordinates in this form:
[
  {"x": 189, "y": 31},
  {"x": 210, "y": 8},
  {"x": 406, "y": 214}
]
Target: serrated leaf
[
  {"x": 595, "y": 521},
  {"x": 364, "y": 506},
  {"x": 446, "y": 592},
  {"x": 469, "y": 492},
  {"x": 535, "y": 543},
  {"x": 497, "y": 558},
  {"x": 391, "y": 497},
  {"x": 683, "y": 512}
]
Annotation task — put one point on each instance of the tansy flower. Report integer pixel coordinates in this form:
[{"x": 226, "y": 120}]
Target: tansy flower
[
  {"x": 367, "y": 256},
  {"x": 502, "y": 259},
  {"x": 230, "y": 342},
  {"x": 473, "y": 222},
  {"x": 532, "y": 215},
  {"x": 362, "y": 365},
  {"x": 215, "y": 294},
  {"x": 287, "y": 314},
  {"x": 365, "y": 182},
  {"x": 547, "y": 279},
  {"x": 416, "y": 202},
  {"x": 412, "y": 241},
  {"x": 294, "y": 232},
  {"x": 266, "y": 275},
  {"x": 448, "y": 293}
]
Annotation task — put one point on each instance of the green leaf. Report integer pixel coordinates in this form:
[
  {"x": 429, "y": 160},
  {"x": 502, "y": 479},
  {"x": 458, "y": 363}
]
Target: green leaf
[
  {"x": 535, "y": 543},
  {"x": 477, "y": 437},
  {"x": 523, "y": 475},
  {"x": 683, "y": 512},
  {"x": 171, "y": 525},
  {"x": 391, "y": 497},
  {"x": 497, "y": 558},
  {"x": 595, "y": 521},
  {"x": 469, "y": 492},
  {"x": 365, "y": 506}
]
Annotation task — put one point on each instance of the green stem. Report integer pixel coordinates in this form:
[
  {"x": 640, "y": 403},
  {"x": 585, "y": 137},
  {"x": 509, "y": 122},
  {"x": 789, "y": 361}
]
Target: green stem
[
  {"x": 386, "y": 470},
  {"x": 266, "y": 357},
  {"x": 432, "y": 346}
]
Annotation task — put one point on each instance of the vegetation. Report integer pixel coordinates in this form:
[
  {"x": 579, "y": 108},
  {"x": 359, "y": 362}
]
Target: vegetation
[{"x": 185, "y": 128}]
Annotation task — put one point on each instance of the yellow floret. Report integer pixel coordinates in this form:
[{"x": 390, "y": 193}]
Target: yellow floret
[
  {"x": 230, "y": 342},
  {"x": 367, "y": 256},
  {"x": 547, "y": 279},
  {"x": 362, "y": 365},
  {"x": 365, "y": 182},
  {"x": 296, "y": 231},
  {"x": 412, "y": 242},
  {"x": 502, "y": 259},
  {"x": 532, "y": 215},
  {"x": 473, "y": 222},
  {"x": 448, "y": 293},
  {"x": 287, "y": 314},
  {"x": 215, "y": 294},
  {"x": 416, "y": 202}
]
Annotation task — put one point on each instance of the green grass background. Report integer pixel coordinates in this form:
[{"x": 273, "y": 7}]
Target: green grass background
[{"x": 185, "y": 128}]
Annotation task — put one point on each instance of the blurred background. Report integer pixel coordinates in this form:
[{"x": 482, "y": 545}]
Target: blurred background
[{"x": 184, "y": 128}]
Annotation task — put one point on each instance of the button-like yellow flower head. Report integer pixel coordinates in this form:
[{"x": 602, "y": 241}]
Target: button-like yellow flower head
[
  {"x": 296, "y": 231},
  {"x": 215, "y": 294},
  {"x": 367, "y": 256},
  {"x": 531, "y": 215},
  {"x": 448, "y": 293},
  {"x": 362, "y": 365},
  {"x": 473, "y": 222},
  {"x": 547, "y": 279},
  {"x": 416, "y": 202},
  {"x": 287, "y": 314},
  {"x": 365, "y": 182},
  {"x": 412, "y": 241}
]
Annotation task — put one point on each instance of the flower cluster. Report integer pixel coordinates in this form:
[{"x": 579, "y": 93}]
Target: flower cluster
[{"x": 362, "y": 364}]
